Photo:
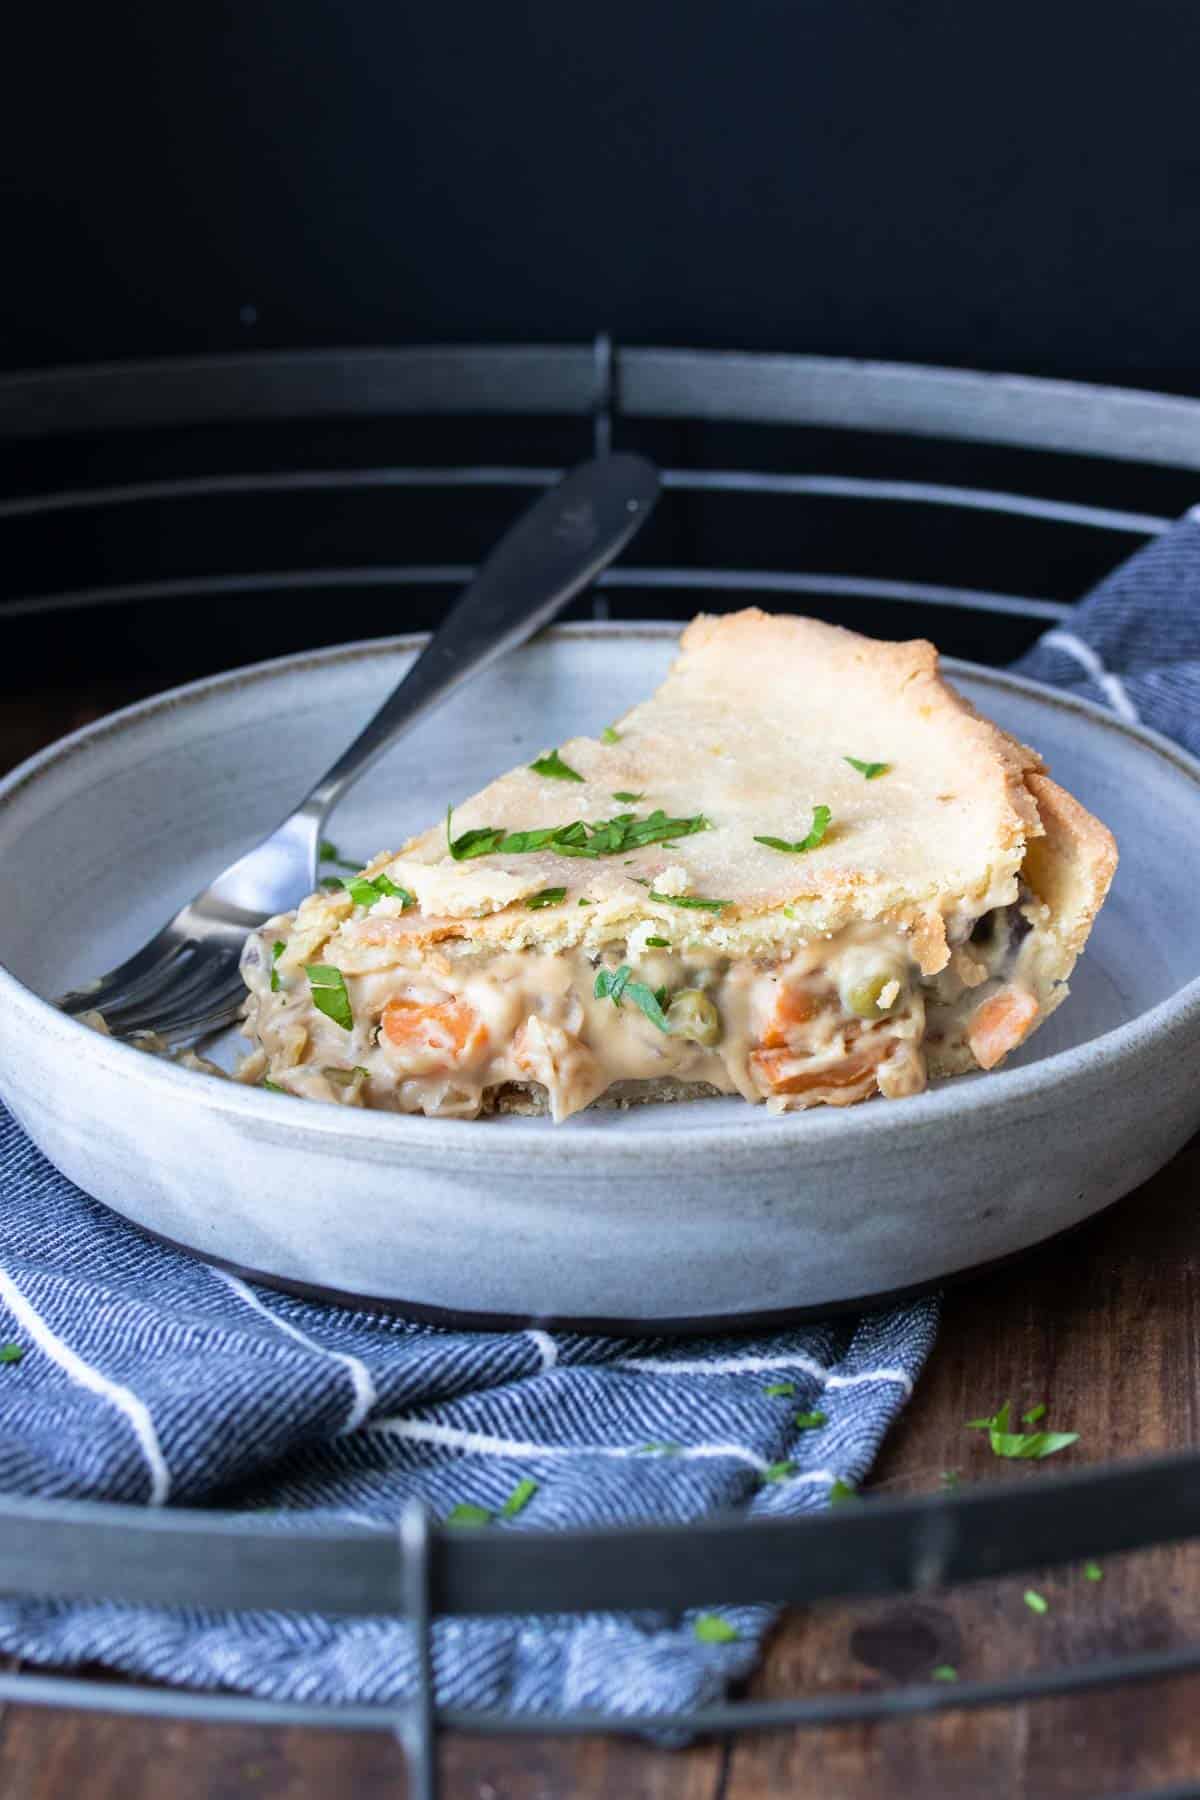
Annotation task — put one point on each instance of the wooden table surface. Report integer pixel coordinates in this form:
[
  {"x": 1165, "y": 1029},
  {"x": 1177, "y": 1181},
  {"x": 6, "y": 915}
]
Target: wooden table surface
[{"x": 1103, "y": 1326}]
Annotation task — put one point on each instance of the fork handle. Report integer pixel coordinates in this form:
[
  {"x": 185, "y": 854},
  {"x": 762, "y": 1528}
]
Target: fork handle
[{"x": 551, "y": 553}]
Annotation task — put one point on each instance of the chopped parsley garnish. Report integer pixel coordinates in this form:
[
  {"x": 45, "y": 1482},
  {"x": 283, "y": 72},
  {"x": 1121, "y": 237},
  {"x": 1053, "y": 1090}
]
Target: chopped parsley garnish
[
  {"x": 547, "y": 897},
  {"x": 944, "y": 1672},
  {"x": 553, "y": 765},
  {"x": 467, "y": 1513},
  {"x": 601, "y": 837},
  {"x": 657, "y": 943},
  {"x": 1034, "y": 1414},
  {"x": 868, "y": 770},
  {"x": 480, "y": 842},
  {"x": 814, "y": 835},
  {"x": 329, "y": 994},
  {"x": 779, "y": 1390},
  {"x": 778, "y": 1471},
  {"x": 582, "y": 902},
  {"x": 277, "y": 950},
  {"x": 331, "y": 883},
  {"x": 1028, "y": 1445},
  {"x": 370, "y": 893},
  {"x": 519, "y": 1499},
  {"x": 11, "y": 1353},
  {"x": 841, "y": 1491},
  {"x": 1036, "y": 1602},
  {"x": 273, "y": 1087},
  {"x": 327, "y": 852},
  {"x": 810, "y": 1421},
  {"x": 610, "y": 985},
  {"x": 629, "y": 799},
  {"x": 609, "y": 736},
  {"x": 625, "y": 831},
  {"x": 692, "y": 900},
  {"x": 615, "y": 984},
  {"x": 711, "y": 1628},
  {"x": 1092, "y": 1572}
]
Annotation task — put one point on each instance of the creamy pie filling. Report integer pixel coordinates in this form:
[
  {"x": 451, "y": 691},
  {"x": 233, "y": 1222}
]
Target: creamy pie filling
[
  {"x": 986, "y": 998},
  {"x": 452, "y": 1029},
  {"x": 445, "y": 1031}
]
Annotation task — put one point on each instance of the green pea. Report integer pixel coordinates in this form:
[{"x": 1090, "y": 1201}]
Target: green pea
[
  {"x": 861, "y": 996},
  {"x": 692, "y": 1014}
]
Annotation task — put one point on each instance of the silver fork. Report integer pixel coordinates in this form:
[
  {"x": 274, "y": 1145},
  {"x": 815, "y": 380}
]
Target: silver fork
[{"x": 185, "y": 983}]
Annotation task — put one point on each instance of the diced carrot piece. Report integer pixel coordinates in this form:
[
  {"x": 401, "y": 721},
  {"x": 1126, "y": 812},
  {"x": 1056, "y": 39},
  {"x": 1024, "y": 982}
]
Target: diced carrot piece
[
  {"x": 785, "y": 1073},
  {"x": 443, "y": 1035},
  {"x": 794, "y": 1006},
  {"x": 1002, "y": 1022}
]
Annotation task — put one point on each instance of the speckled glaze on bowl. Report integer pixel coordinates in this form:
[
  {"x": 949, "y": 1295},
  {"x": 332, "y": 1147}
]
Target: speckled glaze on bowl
[{"x": 661, "y": 1218}]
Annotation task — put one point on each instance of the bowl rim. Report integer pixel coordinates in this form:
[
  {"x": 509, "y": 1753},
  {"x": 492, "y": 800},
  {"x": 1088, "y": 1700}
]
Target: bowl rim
[{"x": 827, "y": 1130}]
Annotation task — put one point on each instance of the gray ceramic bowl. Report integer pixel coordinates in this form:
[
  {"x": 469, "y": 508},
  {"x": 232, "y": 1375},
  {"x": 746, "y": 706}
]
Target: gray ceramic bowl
[{"x": 663, "y": 1218}]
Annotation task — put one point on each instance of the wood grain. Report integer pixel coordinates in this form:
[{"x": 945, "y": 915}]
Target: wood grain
[
  {"x": 1104, "y": 1327},
  {"x": 85, "y": 1756}
]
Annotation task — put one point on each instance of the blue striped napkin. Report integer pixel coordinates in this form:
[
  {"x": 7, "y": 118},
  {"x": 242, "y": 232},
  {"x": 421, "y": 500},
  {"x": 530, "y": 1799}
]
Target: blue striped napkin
[
  {"x": 1134, "y": 644},
  {"x": 148, "y": 1378}
]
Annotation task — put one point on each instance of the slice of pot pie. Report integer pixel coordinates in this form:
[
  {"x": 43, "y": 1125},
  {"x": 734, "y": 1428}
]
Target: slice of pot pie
[{"x": 806, "y": 871}]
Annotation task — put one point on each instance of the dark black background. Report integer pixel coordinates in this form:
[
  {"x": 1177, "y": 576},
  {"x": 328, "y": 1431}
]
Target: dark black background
[{"x": 994, "y": 187}]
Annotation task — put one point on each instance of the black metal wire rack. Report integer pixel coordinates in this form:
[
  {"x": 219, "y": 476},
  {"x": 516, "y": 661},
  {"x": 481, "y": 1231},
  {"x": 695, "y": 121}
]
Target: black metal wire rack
[{"x": 750, "y": 444}]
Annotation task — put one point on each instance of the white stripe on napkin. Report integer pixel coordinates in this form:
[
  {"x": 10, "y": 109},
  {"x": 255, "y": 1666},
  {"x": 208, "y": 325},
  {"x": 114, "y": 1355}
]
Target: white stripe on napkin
[
  {"x": 135, "y": 1410},
  {"x": 1086, "y": 657},
  {"x": 480, "y": 1443},
  {"x": 360, "y": 1375},
  {"x": 763, "y": 1365},
  {"x": 545, "y": 1346}
]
